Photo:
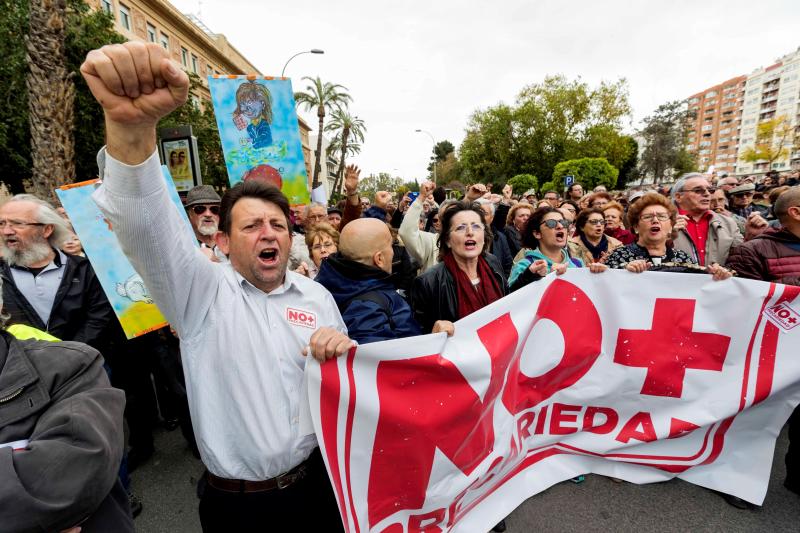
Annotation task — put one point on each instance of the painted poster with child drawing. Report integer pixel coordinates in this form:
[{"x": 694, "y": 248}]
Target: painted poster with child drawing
[
  {"x": 121, "y": 284},
  {"x": 259, "y": 132}
]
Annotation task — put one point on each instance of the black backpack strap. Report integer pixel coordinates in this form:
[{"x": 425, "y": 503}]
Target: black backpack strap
[{"x": 375, "y": 297}]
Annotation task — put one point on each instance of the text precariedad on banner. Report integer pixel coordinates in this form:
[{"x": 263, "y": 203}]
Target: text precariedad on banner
[{"x": 640, "y": 377}]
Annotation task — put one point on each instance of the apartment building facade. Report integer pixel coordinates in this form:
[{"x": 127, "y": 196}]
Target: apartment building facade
[
  {"x": 772, "y": 92},
  {"x": 714, "y": 130}
]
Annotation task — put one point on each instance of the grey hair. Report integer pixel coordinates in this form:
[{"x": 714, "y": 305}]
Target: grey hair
[
  {"x": 681, "y": 183},
  {"x": 314, "y": 204},
  {"x": 46, "y": 214},
  {"x": 484, "y": 201}
]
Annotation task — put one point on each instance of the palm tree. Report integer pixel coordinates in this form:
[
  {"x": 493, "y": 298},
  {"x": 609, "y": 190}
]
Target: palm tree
[
  {"x": 51, "y": 98},
  {"x": 323, "y": 96},
  {"x": 348, "y": 126}
]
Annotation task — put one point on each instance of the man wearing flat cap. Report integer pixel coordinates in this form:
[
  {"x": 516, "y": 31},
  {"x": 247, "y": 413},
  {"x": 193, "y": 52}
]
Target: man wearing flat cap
[
  {"x": 202, "y": 206},
  {"x": 741, "y": 201}
]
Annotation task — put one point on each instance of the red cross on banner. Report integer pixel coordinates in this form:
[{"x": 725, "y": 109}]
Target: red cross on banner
[{"x": 670, "y": 347}]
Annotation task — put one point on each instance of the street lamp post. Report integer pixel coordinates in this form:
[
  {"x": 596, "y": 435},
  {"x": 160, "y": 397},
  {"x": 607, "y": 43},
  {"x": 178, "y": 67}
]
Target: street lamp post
[
  {"x": 429, "y": 134},
  {"x": 312, "y": 51}
]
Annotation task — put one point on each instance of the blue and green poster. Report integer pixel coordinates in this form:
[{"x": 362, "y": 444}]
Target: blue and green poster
[{"x": 259, "y": 132}]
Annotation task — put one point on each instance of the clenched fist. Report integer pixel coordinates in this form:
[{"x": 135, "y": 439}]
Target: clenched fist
[{"x": 136, "y": 84}]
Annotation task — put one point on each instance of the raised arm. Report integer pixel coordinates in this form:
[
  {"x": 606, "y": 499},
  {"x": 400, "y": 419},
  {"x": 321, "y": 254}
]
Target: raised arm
[
  {"x": 420, "y": 245},
  {"x": 352, "y": 206},
  {"x": 137, "y": 84}
]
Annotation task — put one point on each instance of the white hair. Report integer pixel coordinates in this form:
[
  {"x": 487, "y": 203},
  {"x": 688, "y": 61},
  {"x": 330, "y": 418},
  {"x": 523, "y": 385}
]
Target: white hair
[
  {"x": 46, "y": 214},
  {"x": 485, "y": 201},
  {"x": 314, "y": 204}
]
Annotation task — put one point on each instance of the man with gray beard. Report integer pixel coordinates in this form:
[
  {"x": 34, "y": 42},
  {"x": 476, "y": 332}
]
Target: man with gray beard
[
  {"x": 202, "y": 207},
  {"x": 44, "y": 287}
]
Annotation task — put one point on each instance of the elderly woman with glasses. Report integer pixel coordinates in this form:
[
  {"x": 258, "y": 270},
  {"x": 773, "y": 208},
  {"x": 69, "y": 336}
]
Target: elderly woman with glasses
[
  {"x": 466, "y": 279},
  {"x": 652, "y": 219},
  {"x": 590, "y": 243},
  {"x": 545, "y": 238},
  {"x": 322, "y": 241}
]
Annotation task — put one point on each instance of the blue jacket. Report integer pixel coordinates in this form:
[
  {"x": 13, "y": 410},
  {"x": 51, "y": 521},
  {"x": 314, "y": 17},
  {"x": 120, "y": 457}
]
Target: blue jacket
[{"x": 367, "y": 320}]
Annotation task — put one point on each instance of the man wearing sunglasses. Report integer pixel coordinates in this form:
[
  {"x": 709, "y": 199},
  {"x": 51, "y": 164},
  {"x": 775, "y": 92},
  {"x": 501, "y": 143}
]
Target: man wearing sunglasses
[
  {"x": 741, "y": 201},
  {"x": 706, "y": 236},
  {"x": 202, "y": 206}
]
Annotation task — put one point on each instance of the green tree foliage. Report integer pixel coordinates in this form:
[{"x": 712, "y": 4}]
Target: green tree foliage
[
  {"x": 442, "y": 150},
  {"x": 548, "y": 186},
  {"x": 85, "y": 30},
  {"x": 204, "y": 127},
  {"x": 628, "y": 170},
  {"x": 552, "y": 121},
  {"x": 383, "y": 181},
  {"x": 348, "y": 129},
  {"x": 448, "y": 167},
  {"x": 773, "y": 139},
  {"x": 523, "y": 182},
  {"x": 665, "y": 134},
  {"x": 325, "y": 97},
  {"x": 590, "y": 171}
]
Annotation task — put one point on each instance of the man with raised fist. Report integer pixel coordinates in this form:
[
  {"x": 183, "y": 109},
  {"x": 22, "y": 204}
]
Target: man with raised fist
[{"x": 244, "y": 326}]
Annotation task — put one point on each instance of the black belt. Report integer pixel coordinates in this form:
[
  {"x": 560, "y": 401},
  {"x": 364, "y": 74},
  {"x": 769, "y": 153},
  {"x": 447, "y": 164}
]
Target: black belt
[{"x": 280, "y": 482}]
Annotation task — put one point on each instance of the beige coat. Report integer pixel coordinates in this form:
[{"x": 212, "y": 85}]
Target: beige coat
[
  {"x": 579, "y": 250},
  {"x": 723, "y": 236}
]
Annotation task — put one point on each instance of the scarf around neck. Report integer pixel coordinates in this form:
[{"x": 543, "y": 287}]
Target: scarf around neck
[{"x": 472, "y": 297}]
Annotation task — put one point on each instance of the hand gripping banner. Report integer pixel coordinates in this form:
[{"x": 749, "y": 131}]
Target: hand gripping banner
[{"x": 640, "y": 377}]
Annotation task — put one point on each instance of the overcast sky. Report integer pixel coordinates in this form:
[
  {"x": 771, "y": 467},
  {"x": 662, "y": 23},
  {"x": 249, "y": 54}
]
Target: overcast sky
[{"x": 429, "y": 64}]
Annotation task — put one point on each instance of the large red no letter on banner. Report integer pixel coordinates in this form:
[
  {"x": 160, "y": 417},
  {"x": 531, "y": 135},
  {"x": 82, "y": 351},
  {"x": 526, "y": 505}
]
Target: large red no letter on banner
[{"x": 653, "y": 379}]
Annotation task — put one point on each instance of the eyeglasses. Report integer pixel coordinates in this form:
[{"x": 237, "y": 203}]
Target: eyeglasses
[
  {"x": 323, "y": 246},
  {"x": 702, "y": 190},
  {"x": 462, "y": 228},
  {"x": 200, "y": 209},
  {"x": 17, "y": 224},
  {"x": 652, "y": 216},
  {"x": 596, "y": 222},
  {"x": 553, "y": 224},
  {"x": 317, "y": 217},
  {"x": 742, "y": 194}
]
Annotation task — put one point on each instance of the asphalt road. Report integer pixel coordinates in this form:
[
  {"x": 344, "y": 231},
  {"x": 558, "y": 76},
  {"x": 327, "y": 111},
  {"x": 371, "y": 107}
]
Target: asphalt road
[{"x": 166, "y": 486}]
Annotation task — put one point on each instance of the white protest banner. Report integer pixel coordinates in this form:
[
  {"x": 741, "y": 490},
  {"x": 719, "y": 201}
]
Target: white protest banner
[{"x": 642, "y": 377}]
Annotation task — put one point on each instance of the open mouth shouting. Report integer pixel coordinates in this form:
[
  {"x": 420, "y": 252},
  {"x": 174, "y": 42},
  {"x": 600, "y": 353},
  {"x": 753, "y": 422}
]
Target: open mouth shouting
[
  {"x": 268, "y": 257},
  {"x": 561, "y": 236},
  {"x": 471, "y": 245}
]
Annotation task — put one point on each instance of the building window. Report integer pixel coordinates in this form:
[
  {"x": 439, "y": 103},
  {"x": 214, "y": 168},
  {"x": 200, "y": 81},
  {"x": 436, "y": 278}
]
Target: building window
[
  {"x": 209, "y": 70},
  {"x": 107, "y": 6},
  {"x": 710, "y": 94},
  {"x": 125, "y": 17},
  {"x": 194, "y": 63},
  {"x": 151, "y": 33},
  {"x": 165, "y": 40},
  {"x": 184, "y": 57}
]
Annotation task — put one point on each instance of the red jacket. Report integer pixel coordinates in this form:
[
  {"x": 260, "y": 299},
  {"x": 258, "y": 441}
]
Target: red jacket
[{"x": 772, "y": 256}]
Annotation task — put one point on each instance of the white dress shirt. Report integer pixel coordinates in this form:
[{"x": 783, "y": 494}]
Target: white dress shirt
[{"x": 241, "y": 347}]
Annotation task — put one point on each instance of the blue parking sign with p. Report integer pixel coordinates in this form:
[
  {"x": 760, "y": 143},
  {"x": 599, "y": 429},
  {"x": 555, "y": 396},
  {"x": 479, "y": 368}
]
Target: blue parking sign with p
[{"x": 569, "y": 180}]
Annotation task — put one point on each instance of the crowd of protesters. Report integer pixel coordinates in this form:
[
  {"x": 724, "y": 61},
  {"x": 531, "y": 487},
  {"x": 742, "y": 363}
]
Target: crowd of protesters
[{"x": 228, "y": 370}]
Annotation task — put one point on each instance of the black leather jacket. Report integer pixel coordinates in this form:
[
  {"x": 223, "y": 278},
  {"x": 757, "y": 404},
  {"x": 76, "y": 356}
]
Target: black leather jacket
[
  {"x": 81, "y": 311},
  {"x": 434, "y": 294}
]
